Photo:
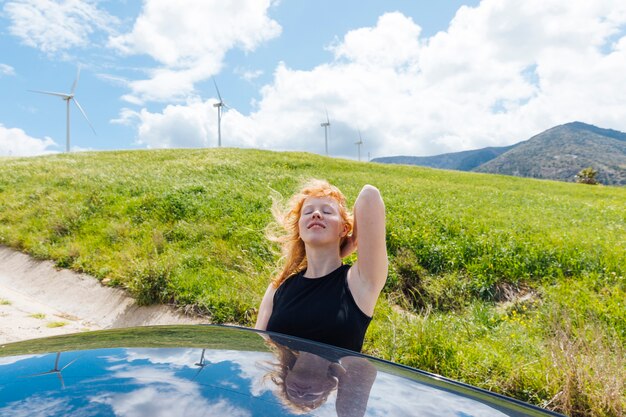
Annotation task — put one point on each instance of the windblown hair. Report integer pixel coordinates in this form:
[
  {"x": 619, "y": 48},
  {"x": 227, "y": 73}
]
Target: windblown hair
[{"x": 285, "y": 230}]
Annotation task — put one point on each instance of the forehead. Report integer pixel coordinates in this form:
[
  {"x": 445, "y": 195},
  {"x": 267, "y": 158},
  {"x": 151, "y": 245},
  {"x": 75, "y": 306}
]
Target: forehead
[{"x": 320, "y": 201}]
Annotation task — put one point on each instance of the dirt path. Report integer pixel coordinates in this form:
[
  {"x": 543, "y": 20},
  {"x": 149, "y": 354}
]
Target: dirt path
[{"x": 38, "y": 300}]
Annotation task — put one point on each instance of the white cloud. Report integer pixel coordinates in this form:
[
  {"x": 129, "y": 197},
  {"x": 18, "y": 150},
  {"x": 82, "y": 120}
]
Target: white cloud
[
  {"x": 248, "y": 75},
  {"x": 37, "y": 405},
  {"x": 389, "y": 395},
  {"x": 393, "y": 42},
  {"x": 161, "y": 393},
  {"x": 53, "y": 26},
  {"x": 190, "y": 42},
  {"x": 248, "y": 365},
  {"x": 178, "y": 126},
  {"x": 501, "y": 72},
  {"x": 15, "y": 142},
  {"x": 6, "y": 70},
  {"x": 8, "y": 360}
]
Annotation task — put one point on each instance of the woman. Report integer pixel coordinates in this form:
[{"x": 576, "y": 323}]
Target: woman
[{"x": 315, "y": 296}]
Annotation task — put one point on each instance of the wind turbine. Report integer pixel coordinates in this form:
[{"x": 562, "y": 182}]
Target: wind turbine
[
  {"x": 358, "y": 144},
  {"x": 54, "y": 370},
  {"x": 201, "y": 364},
  {"x": 68, "y": 97},
  {"x": 326, "y": 126},
  {"x": 219, "y": 106}
]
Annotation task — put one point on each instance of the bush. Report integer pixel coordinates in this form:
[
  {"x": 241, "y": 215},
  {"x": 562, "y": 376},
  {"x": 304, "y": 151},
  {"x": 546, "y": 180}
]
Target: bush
[
  {"x": 148, "y": 282},
  {"x": 587, "y": 176}
]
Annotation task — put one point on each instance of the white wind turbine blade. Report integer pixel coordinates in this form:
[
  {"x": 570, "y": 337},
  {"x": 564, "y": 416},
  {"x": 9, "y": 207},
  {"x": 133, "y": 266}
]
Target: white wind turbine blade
[
  {"x": 51, "y": 93},
  {"x": 218, "y": 91},
  {"x": 53, "y": 371},
  {"x": 84, "y": 115},
  {"x": 69, "y": 363},
  {"x": 75, "y": 81},
  {"x": 328, "y": 123}
]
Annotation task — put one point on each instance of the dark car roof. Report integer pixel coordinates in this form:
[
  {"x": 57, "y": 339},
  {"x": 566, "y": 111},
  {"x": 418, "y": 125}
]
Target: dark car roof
[{"x": 223, "y": 370}]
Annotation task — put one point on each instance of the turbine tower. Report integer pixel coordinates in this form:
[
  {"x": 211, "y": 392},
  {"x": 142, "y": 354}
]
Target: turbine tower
[
  {"x": 219, "y": 106},
  {"x": 68, "y": 97},
  {"x": 358, "y": 144},
  {"x": 200, "y": 364},
  {"x": 326, "y": 126}
]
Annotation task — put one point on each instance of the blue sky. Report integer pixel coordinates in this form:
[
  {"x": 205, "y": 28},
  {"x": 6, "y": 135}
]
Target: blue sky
[{"x": 414, "y": 77}]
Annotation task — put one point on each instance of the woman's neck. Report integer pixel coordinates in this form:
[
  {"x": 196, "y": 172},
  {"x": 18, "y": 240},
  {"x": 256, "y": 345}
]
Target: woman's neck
[{"x": 321, "y": 261}]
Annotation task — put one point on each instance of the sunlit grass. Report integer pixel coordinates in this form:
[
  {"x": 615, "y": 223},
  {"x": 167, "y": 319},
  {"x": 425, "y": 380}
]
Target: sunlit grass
[
  {"x": 39, "y": 316},
  {"x": 54, "y": 324},
  {"x": 485, "y": 269}
]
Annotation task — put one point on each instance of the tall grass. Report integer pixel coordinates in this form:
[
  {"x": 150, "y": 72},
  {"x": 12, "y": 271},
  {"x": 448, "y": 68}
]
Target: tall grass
[{"x": 516, "y": 285}]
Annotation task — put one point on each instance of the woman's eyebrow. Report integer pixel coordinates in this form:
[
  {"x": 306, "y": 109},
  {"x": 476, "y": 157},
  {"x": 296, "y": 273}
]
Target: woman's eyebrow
[{"x": 323, "y": 205}]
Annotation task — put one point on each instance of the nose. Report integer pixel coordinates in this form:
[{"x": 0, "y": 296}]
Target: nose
[{"x": 316, "y": 214}]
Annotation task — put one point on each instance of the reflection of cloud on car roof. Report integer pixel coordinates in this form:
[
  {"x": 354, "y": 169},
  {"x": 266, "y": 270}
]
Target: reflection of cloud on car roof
[
  {"x": 12, "y": 359},
  {"x": 388, "y": 397}
]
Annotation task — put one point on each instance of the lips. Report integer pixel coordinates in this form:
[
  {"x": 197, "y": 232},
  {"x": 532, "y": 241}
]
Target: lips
[{"x": 315, "y": 224}]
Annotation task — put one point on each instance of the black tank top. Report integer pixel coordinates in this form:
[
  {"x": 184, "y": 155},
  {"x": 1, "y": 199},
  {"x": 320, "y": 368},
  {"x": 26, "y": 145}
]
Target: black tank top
[{"x": 319, "y": 309}]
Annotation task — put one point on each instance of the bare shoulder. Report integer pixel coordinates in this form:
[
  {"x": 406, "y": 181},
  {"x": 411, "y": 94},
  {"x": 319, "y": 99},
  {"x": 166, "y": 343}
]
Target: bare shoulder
[{"x": 266, "y": 308}]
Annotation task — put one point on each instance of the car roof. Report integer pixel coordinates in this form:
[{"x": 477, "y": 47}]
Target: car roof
[{"x": 207, "y": 370}]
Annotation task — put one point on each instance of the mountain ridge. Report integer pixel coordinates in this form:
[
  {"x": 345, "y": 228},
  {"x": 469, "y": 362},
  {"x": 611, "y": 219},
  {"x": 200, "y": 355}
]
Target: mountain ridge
[{"x": 558, "y": 153}]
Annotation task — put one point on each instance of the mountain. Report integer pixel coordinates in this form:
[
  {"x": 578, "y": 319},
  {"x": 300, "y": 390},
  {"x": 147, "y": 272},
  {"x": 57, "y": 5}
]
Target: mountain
[
  {"x": 460, "y": 161},
  {"x": 558, "y": 153},
  {"x": 561, "y": 152}
]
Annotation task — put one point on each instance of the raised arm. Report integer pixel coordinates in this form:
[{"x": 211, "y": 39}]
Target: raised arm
[
  {"x": 368, "y": 274},
  {"x": 354, "y": 386}
]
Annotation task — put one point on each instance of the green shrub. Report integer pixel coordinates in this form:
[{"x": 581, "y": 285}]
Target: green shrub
[{"x": 148, "y": 281}]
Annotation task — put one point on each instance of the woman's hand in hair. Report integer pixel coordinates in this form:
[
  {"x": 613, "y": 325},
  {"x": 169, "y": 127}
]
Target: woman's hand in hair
[{"x": 349, "y": 246}]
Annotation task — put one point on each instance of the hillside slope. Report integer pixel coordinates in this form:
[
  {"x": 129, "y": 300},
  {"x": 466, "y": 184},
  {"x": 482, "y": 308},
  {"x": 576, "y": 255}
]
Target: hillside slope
[
  {"x": 558, "y": 153},
  {"x": 561, "y": 152},
  {"x": 486, "y": 271},
  {"x": 460, "y": 161}
]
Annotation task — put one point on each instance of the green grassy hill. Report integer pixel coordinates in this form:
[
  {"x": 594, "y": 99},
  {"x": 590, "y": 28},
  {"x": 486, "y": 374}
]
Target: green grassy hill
[{"x": 515, "y": 285}]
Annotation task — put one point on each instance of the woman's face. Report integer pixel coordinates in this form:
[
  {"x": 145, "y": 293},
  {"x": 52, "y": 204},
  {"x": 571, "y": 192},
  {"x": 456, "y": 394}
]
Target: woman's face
[
  {"x": 321, "y": 222},
  {"x": 309, "y": 383}
]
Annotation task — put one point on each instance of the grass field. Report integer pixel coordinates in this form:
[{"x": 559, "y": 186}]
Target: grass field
[{"x": 515, "y": 285}]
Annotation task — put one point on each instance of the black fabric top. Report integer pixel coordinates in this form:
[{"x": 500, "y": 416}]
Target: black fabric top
[
  {"x": 320, "y": 309},
  {"x": 329, "y": 353}
]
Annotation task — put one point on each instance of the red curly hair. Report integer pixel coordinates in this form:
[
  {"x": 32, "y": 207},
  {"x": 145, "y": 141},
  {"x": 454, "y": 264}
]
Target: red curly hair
[{"x": 285, "y": 230}]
